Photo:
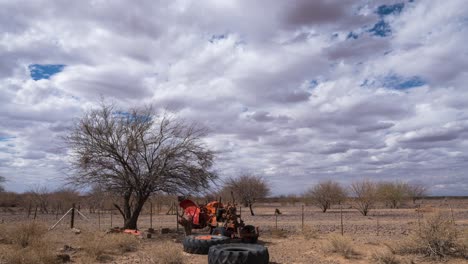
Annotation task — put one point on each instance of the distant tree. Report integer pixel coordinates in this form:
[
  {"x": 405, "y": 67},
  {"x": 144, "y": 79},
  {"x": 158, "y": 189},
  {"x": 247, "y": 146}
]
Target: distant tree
[
  {"x": 393, "y": 193},
  {"x": 40, "y": 197},
  {"x": 63, "y": 198},
  {"x": 364, "y": 194},
  {"x": 135, "y": 153},
  {"x": 416, "y": 191},
  {"x": 2, "y": 180},
  {"x": 247, "y": 188},
  {"x": 325, "y": 194}
]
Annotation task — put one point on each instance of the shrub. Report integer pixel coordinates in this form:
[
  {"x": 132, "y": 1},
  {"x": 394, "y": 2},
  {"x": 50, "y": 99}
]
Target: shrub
[
  {"x": 123, "y": 242},
  {"x": 325, "y": 194},
  {"x": 23, "y": 234},
  {"x": 341, "y": 245},
  {"x": 437, "y": 238},
  {"x": 384, "y": 257},
  {"x": 37, "y": 253},
  {"x": 164, "y": 252},
  {"x": 98, "y": 246}
]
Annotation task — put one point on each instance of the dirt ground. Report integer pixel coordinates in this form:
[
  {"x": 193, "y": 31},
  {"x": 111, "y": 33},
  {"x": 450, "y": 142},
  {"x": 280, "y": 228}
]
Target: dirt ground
[{"x": 380, "y": 231}]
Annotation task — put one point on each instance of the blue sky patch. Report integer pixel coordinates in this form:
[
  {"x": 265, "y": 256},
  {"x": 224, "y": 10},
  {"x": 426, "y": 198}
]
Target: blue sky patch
[
  {"x": 3, "y": 139},
  {"x": 385, "y": 10},
  {"x": 44, "y": 71},
  {"x": 401, "y": 83},
  {"x": 381, "y": 29}
]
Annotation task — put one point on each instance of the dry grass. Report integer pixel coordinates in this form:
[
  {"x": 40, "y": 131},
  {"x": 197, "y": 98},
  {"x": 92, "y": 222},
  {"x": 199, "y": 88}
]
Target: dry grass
[
  {"x": 310, "y": 233},
  {"x": 384, "y": 257},
  {"x": 101, "y": 247},
  {"x": 341, "y": 245},
  {"x": 279, "y": 233},
  {"x": 437, "y": 238},
  {"x": 163, "y": 252},
  {"x": 23, "y": 234},
  {"x": 24, "y": 244}
]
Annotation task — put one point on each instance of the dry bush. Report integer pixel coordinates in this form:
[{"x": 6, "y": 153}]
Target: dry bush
[
  {"x": 384, "y": 257},
  {"x": 98, "y": 246},
  {"x": 40, "y": 253},
  {"x": 25, "y": 244},
  {"x": 23, "y": 234},
  {"x": 437, "y": 238},
  {"x": 341, "y": 245},
  {"x": 124, "y": 242},
  {"x": 310, "y": 232},
  {"x": 164, "y": 252}
]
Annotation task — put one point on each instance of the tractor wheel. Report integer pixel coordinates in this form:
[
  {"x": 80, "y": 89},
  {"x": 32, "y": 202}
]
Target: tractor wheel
[
  {"x": 249, "y": 229},
  {"x": 201, "y": 244},
  {"x": 239, "y": 254},
  {"x": 220, "y": 231}
]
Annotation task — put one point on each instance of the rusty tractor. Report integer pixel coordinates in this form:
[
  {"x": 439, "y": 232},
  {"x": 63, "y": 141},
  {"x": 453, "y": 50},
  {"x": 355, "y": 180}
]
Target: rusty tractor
[{"x": 221, "y": 220}]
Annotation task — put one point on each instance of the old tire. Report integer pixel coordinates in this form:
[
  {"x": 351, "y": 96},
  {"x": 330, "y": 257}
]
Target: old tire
[
  {"x": 201, "y": 244},
  {"x": 219, "y": 231},
  {"x": 238, "y": 254}
]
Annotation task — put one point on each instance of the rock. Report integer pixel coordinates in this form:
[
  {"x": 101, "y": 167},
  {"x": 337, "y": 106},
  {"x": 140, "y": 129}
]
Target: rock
[
  {"x": 63, "y": 257},
  {"x": 165, "y": 231},
  {"x": 76, "y": 231}
]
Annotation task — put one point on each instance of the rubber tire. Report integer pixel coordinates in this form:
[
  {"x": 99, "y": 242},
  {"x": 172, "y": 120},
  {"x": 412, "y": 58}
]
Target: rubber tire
[
  {"x": 201, "y": 246},
  {"x": 220, "y": 231},
  {"x": 251, "y": 229},
  {"x": 238, "y": 254}
]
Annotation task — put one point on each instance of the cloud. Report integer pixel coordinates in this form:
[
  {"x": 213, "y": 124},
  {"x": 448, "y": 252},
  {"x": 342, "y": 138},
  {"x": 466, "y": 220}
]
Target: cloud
[{"x": 297, "y": 91}]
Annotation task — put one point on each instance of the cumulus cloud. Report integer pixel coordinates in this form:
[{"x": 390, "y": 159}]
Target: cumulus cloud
[{"x": 297, "y": 91}]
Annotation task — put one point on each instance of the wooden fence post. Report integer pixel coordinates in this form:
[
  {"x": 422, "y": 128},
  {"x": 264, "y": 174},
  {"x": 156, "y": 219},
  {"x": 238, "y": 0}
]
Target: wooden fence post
[
  {"x": 72, "y": 221},
  {"x": 302, "y": 219},
  {"x": 341, "y": 218}
]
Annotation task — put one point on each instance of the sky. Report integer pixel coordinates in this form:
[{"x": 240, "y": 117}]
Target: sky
[{"x": 294, "y": 91}]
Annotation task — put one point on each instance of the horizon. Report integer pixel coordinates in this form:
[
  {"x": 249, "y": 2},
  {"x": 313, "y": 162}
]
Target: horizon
[{"x": 296, "y": 92}]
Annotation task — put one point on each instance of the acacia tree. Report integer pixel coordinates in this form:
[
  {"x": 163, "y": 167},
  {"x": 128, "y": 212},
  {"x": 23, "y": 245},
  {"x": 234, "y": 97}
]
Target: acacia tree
[
  {"x": 365, "y": 195},
  {"x": 137, "y": 153},
  {"x": 325, "y": 194},
  {"x": 248, "y": 188},
  {"x": 392, "y": 193},
  {"x": 416, "y": 191}
]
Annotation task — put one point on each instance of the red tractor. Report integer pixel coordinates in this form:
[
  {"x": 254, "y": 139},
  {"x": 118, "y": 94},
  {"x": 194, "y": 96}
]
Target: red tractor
[{"x": 220, "y": 219}]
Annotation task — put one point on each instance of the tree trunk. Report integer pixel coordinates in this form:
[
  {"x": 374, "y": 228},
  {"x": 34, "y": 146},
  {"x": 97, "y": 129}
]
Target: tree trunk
[
  {"x": 131, "y": 216},
  {"x": 251, "y": 211}
]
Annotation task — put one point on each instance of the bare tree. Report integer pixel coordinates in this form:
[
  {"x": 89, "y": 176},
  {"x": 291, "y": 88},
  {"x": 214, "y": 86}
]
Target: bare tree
[
  {"x": 2, "y": 180},
  {"x": 136, "y": 153},
  {"x": 392, "y": 193},
  {"x": 325, "y": 194},
  {"x": 248, "y": 188},
  {"x": 416, "y": 191},
  {"x": 365, "y": 195}
]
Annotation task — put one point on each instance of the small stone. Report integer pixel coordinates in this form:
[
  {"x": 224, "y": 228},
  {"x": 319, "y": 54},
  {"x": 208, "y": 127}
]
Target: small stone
[{"x": 76, "y": 231}]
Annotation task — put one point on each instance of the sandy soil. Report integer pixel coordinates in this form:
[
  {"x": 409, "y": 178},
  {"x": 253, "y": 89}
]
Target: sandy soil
[{"x": 369, "y": 234}]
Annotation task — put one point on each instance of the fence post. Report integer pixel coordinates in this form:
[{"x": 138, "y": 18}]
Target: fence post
[
  {"x": 151, "y": 215},
  {"x": 72, "y": 221},
  {"x": 176, "y": 208},
  {"x": 302, "y": 218},
  {"x": 341, "y": 218}
]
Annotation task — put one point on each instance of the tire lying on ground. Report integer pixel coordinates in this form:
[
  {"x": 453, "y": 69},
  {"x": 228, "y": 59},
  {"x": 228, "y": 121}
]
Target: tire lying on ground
[
  {"x": 202, "y": 243},
  {"x": 238, "y": 254}
]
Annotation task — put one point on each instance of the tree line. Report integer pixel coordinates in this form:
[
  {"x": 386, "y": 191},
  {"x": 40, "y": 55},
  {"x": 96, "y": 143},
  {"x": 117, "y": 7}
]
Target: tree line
[{"x": 364, "y": 194}]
